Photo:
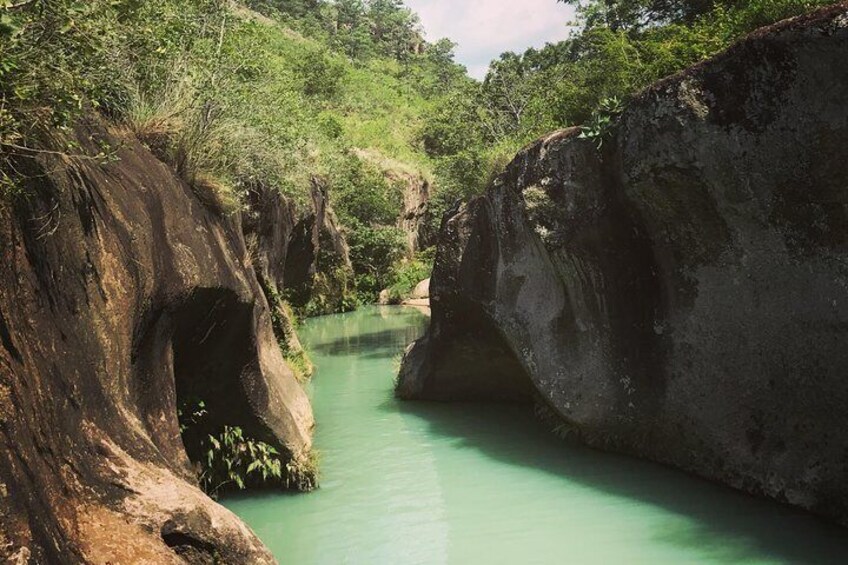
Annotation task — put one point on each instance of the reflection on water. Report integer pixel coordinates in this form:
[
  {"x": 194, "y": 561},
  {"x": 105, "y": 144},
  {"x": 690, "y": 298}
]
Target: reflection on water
[{"x": 463, "y": 483}]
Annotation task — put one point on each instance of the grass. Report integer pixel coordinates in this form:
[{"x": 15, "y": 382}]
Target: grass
[
  {"x": 302, "y": 473},
  {"x": 397, "y": 365}
]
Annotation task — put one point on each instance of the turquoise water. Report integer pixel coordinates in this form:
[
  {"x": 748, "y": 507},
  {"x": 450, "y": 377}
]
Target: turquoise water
[{"x": 405, "y": 483}]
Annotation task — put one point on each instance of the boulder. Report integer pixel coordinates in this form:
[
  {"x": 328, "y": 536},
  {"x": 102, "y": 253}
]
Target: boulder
[
  {"x": 681, "y": 295},
  {"x": 421, "y": 290}
]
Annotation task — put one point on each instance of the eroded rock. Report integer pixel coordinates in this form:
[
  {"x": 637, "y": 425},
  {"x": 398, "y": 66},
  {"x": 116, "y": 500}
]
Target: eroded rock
[
  {"x": 318, "y": 269},
  {"x": 122, "y": 294},
  {"x": 682, "y": 295}
]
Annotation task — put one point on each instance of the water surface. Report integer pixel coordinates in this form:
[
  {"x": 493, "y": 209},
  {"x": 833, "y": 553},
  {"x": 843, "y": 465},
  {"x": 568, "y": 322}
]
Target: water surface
[{"x": 409, "y": 483}]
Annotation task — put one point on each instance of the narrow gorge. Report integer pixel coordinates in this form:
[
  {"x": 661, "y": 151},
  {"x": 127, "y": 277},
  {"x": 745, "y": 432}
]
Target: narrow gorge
[{"x": 276, "y": 287}]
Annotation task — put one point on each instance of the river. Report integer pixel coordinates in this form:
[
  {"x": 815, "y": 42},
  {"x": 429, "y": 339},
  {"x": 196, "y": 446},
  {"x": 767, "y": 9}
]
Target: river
[{"x": 409, "y": 483}]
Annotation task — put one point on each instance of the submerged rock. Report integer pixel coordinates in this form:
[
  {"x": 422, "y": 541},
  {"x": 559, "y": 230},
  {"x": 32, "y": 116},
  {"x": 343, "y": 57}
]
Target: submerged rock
[
  {"x": 122, "y": 295},
  {"x": 681, "y": 295}
]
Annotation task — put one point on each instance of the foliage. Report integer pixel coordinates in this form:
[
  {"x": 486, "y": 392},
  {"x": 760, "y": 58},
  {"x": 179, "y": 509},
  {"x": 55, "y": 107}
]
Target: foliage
[
  {"x": 332, "y": 291},
  {"x": 374, "y": 28},
  {"x": 374, "y": 249},
  {"x": 603, "y": 121},
  {"x": 233, "y": 459},
  {"x": 407, "y": 273},
  {"x": 228, "y": 459},
  {"x": 190, "y": 414},
  {"x": 323, "y": 73},
  {"x": 55, "y": 57},
  {"x": 446, "y": 130},
  {"x": 363, "y": 195},
  {"x": 639, "y": 15}
]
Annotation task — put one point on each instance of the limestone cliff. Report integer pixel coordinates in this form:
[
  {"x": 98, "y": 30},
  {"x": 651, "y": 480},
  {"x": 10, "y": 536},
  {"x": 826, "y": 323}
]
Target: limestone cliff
[
  {"x": 681, "y": 295},
  {"x": 121, "y": 292}
]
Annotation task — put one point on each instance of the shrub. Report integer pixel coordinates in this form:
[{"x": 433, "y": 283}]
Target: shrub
[
  {"x": 407, "y": 273},
  {"x": 233, "y": 459},
  {"x": 229, "y": 459},
  {"x": 373, "y": 250},
  {"x": 322, "y": 72},
  {"x": 362, "y": 195}
]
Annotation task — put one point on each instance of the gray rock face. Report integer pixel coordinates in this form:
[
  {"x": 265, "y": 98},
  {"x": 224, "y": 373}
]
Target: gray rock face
[
  {"x": 416, "y": 211},
  {"x": 317, "y": 262},
  {"x": 682, "y": 295},
  {"x": 269, "y": 225},
  {"x": 120, "y": 294}
]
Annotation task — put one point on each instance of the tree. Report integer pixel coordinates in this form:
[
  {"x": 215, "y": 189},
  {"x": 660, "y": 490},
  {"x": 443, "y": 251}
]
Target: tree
[
  {"x": 395, "y": 29},
  {"x": 641, "y": 14},
  {"x": 293, "y": 8},
  {"x": 506, "y": 91}
]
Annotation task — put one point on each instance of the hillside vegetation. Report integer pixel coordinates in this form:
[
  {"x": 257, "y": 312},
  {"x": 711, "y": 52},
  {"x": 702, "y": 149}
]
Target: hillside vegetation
[
  {"x": 238, "y": 95},
  {"x": 618, "y": 48}
]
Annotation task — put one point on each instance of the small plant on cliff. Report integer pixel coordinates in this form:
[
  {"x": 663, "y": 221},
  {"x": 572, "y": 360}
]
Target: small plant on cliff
[
  {"x": 232, "y": 459},
  {"x": 603, "y": 122},
  {"x": 285, "y": 323}
]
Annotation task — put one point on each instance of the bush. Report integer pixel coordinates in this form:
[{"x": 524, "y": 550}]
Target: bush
[
  {"x": 56, "y": 58},
  {"x": 373, "y": 250},
  {"x": 227, "y": 459},
  {"x": 407, "y": 273},
  {"x": 362, "y": 195},
  {"x": 322, "y": 73}
]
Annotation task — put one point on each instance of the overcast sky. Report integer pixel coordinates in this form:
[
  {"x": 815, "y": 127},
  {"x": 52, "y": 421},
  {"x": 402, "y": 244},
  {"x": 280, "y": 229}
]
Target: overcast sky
[{"x": 486, "y": 28}]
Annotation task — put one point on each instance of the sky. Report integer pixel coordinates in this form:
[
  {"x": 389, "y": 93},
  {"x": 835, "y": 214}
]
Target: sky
[{"x": 486, "y": 28}]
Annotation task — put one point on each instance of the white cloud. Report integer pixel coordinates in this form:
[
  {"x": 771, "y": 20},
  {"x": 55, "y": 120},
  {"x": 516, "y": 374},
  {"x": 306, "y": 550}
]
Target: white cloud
[{"x": 486, "y": 28}]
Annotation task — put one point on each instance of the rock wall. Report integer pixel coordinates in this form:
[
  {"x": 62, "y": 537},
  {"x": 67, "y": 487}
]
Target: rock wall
[
  {"x": 682, "y": 295},
  {"x": 415, "y": 217},
  {"x": 121, "y": 292},
  {"x": 318, "y": 267},
  {"x": 270, "y": 222}
]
